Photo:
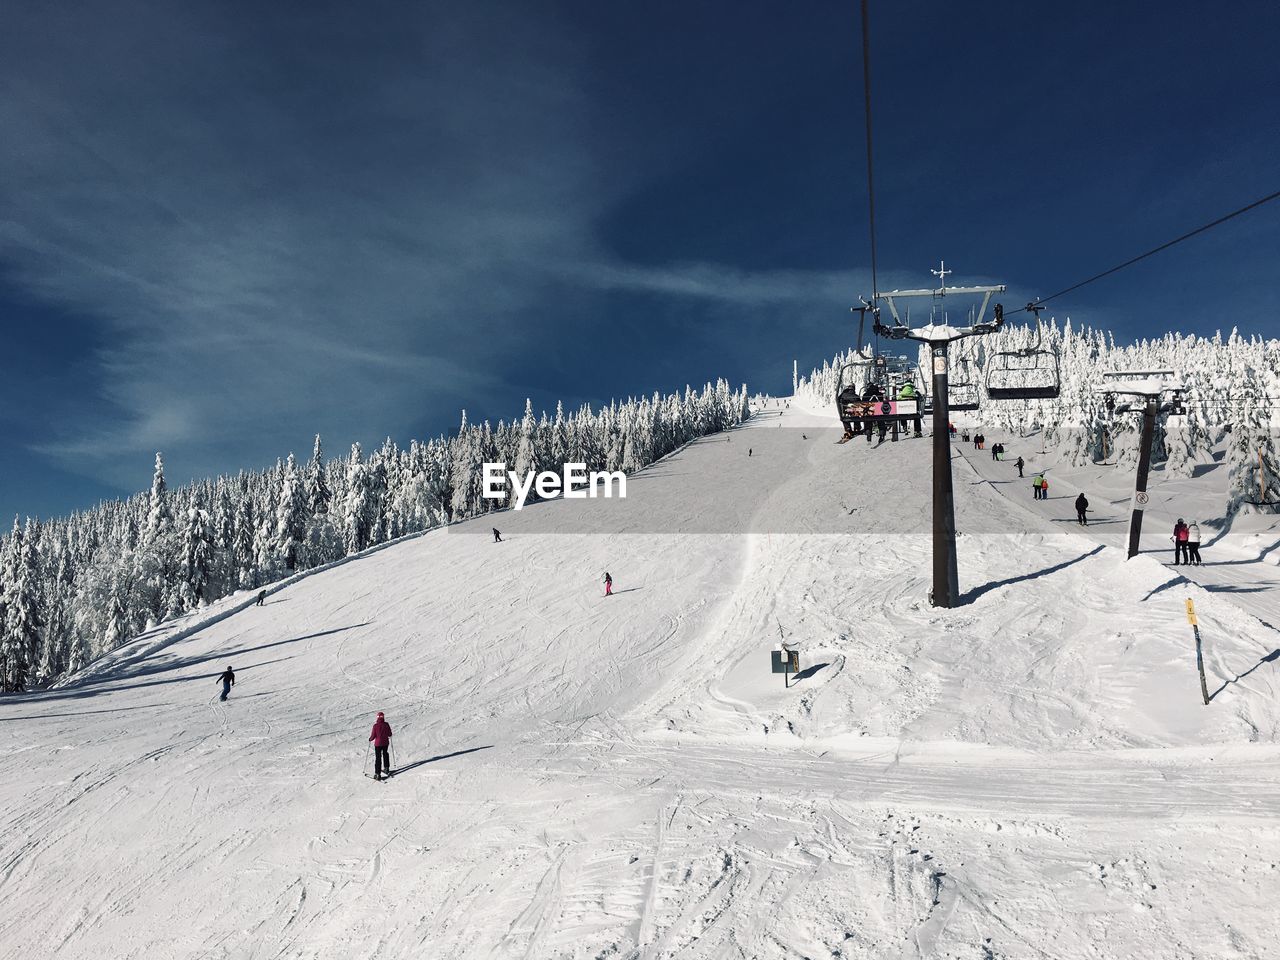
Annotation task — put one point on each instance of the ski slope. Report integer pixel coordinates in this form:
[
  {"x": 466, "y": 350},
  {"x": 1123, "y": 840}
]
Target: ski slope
[{"x": 1031, "y": 774}]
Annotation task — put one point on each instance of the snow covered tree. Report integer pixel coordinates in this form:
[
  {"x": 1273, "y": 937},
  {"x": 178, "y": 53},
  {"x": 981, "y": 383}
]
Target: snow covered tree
[
  {"x": 356, "y": 511},
  {"x": 318, "y": 495},
  {"x": 20, "y": 639},
  {"x": 291, "y": 516}
]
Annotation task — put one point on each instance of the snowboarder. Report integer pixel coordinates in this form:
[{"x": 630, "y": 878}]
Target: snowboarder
[
  {"x": 1193, "y": 544},
  {"x": 1020, "y": 464},
  {"x": 1082, "y": 507},
  {"x": 1180, "y": 541},
  {"x": 380, "y": 737},
  {"x": 608, "y": 584},
  {"x": 262, "y": 595},
  {"x": 497, "y": 537},
  {"x": 228, "y": 680}
]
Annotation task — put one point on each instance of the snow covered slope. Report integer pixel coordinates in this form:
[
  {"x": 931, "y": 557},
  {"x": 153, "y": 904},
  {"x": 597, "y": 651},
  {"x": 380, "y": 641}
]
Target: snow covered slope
[{"x": 1029, "y": 775}]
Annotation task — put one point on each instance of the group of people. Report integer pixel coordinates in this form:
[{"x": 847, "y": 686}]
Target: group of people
[
  {"x": 979, "y": 441},
  {"x": 1039, "y": 486},
  {"x": 997, "y": 450},
  {"x": 1186, "y": 543},
  {"x": 874, "y": 393}
]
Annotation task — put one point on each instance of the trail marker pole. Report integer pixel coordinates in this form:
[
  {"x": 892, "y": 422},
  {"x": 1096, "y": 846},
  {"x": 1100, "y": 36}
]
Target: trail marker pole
[{"x": 1195, "y": 625}]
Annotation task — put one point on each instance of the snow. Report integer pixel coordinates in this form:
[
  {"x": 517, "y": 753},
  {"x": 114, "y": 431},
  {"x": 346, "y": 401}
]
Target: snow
[{"x": 1032, "y": 774}]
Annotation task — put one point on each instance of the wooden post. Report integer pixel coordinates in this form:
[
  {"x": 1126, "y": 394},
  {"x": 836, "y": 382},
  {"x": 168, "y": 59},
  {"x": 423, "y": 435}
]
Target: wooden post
[{"x": 1195, "y": 625}]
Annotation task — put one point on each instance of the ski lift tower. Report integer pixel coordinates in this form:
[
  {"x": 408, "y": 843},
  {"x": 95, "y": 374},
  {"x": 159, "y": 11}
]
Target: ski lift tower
[
  {"x": 939, "y": 336},
  {"x": 1150, "y": 386}
]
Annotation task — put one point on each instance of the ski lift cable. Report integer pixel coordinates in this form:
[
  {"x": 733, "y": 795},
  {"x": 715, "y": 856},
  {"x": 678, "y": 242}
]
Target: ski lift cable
[
  {"x": 1164, "y": 246},
  {"x": 871, "y": 189}
]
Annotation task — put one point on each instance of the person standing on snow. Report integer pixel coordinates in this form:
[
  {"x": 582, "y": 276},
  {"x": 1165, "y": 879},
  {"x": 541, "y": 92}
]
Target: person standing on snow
[
  {"x": 608, "y": 584},
  {"x": 380, "y": 737},
  {"x": 497, "y": 537},
  {"x": 1020, "y": 464},
  {"x": 1044, "y": 487},
  {"x": 228, "y": 680},
  {"x": 1082, "y": 506},
  {"x": 262, "y": 595},
  {"x": 1179, "y": 542},
  {"x": 1193, "y": 544},
  {"x": 1035, "y": 486}
]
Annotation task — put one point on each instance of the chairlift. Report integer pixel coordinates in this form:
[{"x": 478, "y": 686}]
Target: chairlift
[
  {"x": 962, "y": 392},
  {"x": 1028, "y": 373},
  {"x": 869, "y": 388}
]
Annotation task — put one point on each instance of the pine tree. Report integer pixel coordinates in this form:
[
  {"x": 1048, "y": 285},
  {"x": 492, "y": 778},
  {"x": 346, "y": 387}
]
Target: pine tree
[
  {"x": 291, "y": 516},
  {"x": 356, "y": 509},
  {"x": 20, "y": 641},
  {"x": 318, "y": 495}
]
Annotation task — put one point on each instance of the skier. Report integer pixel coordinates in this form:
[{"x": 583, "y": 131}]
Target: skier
[
  {"x": 1044, "y": 487},
  {"x": 749, "y": 449},
  {"x": 908, "y": 391},
  {"x": 228, "y": 680},
  {"x": 1082, "y": 506},
  {"x": 995, "y": 451},
  {"x": 608, "y": 584},
  {"x": 1035, "y": 487},
  {"x": 497, "y": 537},
  {"x": 262, "y": 595},
  {"x": 1193, "y": 544},
  {"x": 1020, "y": 464},
  {"x": 1180, "y": 541},
  {"x": 380, "y": 737}
]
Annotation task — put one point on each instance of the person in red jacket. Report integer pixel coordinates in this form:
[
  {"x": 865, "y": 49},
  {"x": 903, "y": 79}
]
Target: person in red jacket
[{"x": 380, "y": 737}]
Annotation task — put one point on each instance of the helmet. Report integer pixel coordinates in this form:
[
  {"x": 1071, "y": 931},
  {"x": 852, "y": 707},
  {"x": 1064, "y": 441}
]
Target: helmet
[
  {"x": 1180, "y": 520},
  {"x": 379, "y": 714}
]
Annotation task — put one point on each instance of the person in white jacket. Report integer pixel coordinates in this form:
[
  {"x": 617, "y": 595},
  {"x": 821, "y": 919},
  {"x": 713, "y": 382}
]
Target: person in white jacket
[{"x": 1192, "y": 554}]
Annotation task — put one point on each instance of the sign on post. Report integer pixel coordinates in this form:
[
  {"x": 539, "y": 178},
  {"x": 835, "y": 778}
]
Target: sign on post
[{"x": 786, "y": 662}]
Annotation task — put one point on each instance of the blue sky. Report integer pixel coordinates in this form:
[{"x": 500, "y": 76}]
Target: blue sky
[{"x": 226, "y": 227}]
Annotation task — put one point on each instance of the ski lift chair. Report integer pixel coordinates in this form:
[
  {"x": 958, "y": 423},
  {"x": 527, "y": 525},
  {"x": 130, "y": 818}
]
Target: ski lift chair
[
  {"x": 1028, "y": 374},
  {"x": 853, "y": 377},
  {"x": 962, "y": 393}
]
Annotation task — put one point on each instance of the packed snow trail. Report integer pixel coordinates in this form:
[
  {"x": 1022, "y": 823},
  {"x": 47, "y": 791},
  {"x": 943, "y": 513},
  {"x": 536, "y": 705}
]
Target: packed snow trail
[{"x": 1029, "y": 775}]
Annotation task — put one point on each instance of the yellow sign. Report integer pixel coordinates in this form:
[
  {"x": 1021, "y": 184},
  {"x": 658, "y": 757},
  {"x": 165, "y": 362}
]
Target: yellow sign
[{"x": 1191, "y": 613}]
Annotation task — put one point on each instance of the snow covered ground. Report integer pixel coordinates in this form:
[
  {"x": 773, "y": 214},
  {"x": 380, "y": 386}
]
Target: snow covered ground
[{"x": 1032, "y": 774}]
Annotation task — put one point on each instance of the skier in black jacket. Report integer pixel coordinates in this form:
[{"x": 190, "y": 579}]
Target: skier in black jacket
[{"x": 1082, "y": 507}]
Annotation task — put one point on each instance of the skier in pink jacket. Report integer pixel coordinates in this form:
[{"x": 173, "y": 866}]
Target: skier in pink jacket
[{"x": 380, "y": 737}]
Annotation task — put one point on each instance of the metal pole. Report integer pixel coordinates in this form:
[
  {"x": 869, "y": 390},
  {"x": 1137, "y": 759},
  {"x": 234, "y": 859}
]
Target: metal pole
[
  {"x": 946, "y": 580},
  {"x": 1204, "y": 687},
  {"x": 1144, "y": 466}
]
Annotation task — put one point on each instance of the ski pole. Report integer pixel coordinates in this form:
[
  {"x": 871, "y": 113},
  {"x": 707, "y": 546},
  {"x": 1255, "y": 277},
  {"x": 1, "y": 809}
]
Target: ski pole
[{"x": 368, "y": 751}]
